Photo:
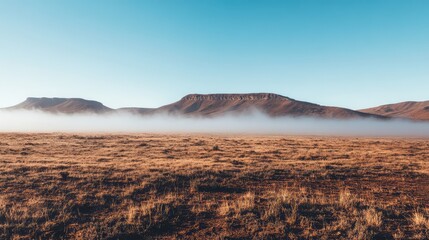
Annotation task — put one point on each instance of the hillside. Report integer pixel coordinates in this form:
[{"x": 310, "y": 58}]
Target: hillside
[
  {"x": 62, "y": 105},
  {"x": 409, "y": 110}
]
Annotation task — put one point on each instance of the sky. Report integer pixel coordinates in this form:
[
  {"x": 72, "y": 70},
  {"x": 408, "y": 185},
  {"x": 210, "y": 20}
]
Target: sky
[{"x": 353, "y": 54}]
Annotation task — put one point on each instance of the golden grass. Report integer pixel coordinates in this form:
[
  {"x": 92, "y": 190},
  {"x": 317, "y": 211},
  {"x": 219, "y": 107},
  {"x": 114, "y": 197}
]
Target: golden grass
[
  {"x": 86, "y": 186},
  {"x": 420, "y": 220},
  {"x": 373, "y": 218}
]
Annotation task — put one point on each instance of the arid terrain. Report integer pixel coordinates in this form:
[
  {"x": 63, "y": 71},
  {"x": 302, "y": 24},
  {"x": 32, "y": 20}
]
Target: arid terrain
[{"x": 152, "y": 186}]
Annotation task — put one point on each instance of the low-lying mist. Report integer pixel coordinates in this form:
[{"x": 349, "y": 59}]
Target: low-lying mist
[{"x": 256, "y": 123}]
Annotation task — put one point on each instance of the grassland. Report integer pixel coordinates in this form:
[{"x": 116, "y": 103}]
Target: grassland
[{"x": 150, "y": 186}]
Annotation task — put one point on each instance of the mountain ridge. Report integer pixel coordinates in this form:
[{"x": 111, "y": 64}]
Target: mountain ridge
[{"x": 214, "y": 105}]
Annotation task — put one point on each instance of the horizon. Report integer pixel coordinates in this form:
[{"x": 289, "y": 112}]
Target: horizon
[
  {"x": 138, "y": 106},
  {"x": 354, "y": 55}
]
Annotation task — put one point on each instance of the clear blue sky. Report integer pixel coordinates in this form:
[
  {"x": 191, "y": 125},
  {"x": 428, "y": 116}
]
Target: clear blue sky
[{"x": 347, "y": 53}]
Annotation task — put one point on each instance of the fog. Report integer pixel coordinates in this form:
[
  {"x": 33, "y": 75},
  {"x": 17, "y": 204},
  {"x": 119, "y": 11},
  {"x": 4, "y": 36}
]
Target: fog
[{"x": 256, "y": 123}]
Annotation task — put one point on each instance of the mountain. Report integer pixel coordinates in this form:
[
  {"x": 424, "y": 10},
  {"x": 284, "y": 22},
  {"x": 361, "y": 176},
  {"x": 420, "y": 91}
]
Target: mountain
[
  {"x": 272, "y": 104},
  {"x": 213, "y": 105},
  {"x": 410, "y": 110},
  {"x": 62, "y": 105}
]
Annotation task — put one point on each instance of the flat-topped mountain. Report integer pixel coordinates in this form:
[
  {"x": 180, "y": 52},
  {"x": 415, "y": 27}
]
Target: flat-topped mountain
[
  {"x": 62, "y": 105},
  {"x": 269, "y": 103},
  {"x": 410, "y": 110}
]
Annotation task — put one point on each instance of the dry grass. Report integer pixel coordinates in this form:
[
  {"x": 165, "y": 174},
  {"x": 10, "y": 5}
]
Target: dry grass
[
  {"x": 239, "y": 206},
  {"x": 420, "y": 220},
  {"x": 65, "y": 186}
]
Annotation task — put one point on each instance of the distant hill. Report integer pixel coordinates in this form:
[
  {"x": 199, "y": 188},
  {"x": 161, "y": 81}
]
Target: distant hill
[
  {"x": 272, "y": 104},
  {"x": 136, "y": 110},
  {"x": 409, "y": 110},
  {"x": 62, "y": 105}
]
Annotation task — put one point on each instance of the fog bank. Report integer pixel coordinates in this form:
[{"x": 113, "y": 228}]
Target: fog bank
[{"x": 256, "y": 123}]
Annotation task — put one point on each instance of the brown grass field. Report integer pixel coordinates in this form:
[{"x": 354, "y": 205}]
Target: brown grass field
[{"x": 153, "y": 186}]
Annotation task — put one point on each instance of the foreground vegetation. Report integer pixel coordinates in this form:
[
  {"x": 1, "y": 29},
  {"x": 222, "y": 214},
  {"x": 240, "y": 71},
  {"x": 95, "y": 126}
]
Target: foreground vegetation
[{"x": 65, "y": 186}]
